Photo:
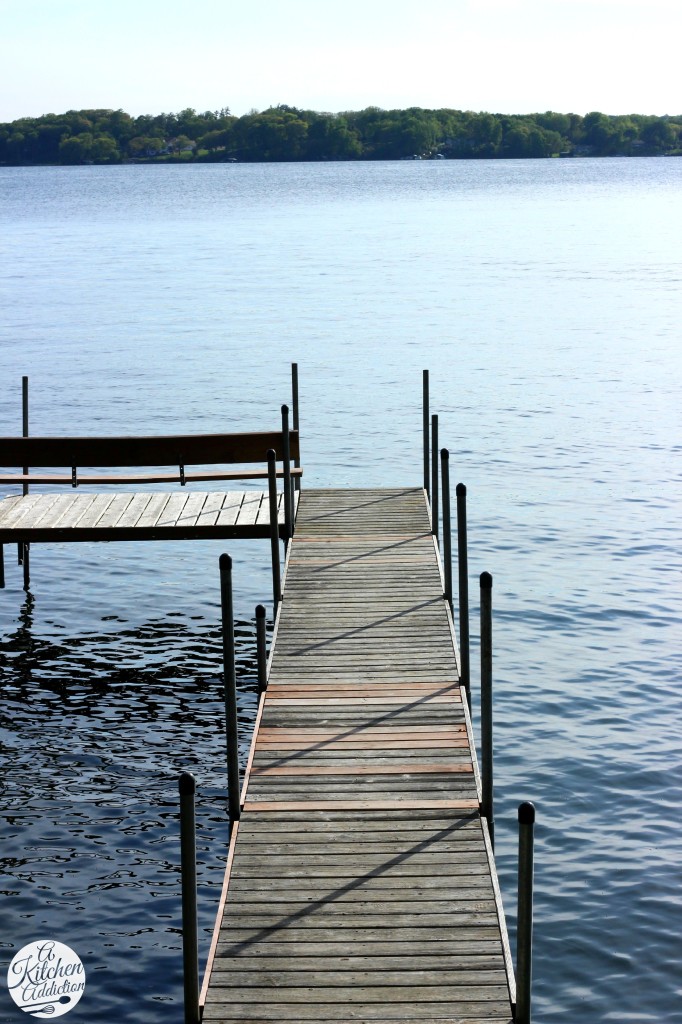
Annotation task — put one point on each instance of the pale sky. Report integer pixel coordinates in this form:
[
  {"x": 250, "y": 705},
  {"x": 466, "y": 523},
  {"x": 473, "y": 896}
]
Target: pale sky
[{"x": 503, "y": 56}]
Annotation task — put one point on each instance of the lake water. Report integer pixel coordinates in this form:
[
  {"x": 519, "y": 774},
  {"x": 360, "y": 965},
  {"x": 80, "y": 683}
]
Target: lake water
[{"x": 544, "y": 296}]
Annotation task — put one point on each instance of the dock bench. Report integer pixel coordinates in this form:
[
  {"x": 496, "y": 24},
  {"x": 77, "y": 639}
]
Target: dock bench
[{"x": 111, "y": 508}]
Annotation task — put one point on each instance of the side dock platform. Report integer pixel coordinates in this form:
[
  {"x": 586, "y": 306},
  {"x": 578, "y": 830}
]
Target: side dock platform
[{"x": 360, "y": 883}]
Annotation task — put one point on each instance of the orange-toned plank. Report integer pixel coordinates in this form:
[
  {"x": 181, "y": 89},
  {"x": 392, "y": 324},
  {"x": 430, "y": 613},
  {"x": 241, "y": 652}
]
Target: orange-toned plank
[
  {"x": 444, "y": 698},
  {"x": 360, "y": 743},
  {"x": 387, "y": 769}
]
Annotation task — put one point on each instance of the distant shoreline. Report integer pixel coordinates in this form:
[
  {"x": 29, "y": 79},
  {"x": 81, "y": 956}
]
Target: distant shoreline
[
  {"x": 286, "y": 134},
  {"x": 179, "y": 162}
]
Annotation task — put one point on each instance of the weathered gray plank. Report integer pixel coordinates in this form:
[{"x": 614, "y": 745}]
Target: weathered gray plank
[
  {"x": 50, "y": 512},
  {"x": 192, "y": 510},
  {"x": 324, "y": 1013},
  {"x": 134, "y": 510},
  {"x": 229, "y": 513},
  {"x": 287, "y": 961},
  {"x": 210, "y": 510},
  {"x": 95, "y": 512},
  {"x": 173, "y": 509},
  {"x": 80, "y": 505},
  {"x": 119, "y": 503},
  {"x": 417, "y": 994},
  {"x": 14, "y": 509},
  {"x": 153, "y": 511},
  {"x": 248, "y": 513}
]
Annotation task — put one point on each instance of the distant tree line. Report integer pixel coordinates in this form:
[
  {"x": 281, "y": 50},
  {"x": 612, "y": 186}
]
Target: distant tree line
[{"x": 287, "y": 133}]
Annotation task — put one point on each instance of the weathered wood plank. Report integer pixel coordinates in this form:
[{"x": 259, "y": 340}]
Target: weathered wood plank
[
  {"x": 374, "y": 770},
  {"x": 15, "y": 509},
  {"x": 192, "y": 509},
  {"x": 76, "y": 510},
  {"x": 229, "y": 513},
  {"x": 370, "y": 805},
  {"x": 428, "y": 962},
  {"x": 378, "y": 942},
  {"x": 248, "y": 513},
  {"x": 172, "y": 510},
  {"x": 361, "y": 743},
  {"x": 153, "y": 511},
  {"x": 134, "y": 510},
  {"x": 114, "y": 511},
  {"x": 416, "y": 994},
  {"x": 210, "y": 510},
  {"x": 325, "y": 1013},
  {"x": 50, "y": 513}
]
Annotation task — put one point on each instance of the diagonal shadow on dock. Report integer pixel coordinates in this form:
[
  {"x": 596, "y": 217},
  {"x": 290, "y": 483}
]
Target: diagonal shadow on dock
[
  {"x": 362, "y": 629},
  {"x": 393, "y": 496},
  {"x": 357, "y": 730},
  {"x": 291, "y": 920},
  {"x": 300, "y": 562}
]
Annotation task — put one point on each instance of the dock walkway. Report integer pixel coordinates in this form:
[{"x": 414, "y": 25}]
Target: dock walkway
[{"x": 360, "y": 883}]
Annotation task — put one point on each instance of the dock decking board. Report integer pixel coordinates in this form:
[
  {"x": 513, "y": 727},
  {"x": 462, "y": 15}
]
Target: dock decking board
[
  {"x": 89, "y": 516},
  {"x": 360, "y": 885}
]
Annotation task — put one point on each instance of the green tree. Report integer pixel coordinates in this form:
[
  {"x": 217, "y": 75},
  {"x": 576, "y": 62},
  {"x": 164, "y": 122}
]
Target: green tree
[
  {"x": 104, "y": 150},
  {"x": 658, "y": 136},
  {"x": 603, "y": 133},
  {"x": 75, "y": 149}
]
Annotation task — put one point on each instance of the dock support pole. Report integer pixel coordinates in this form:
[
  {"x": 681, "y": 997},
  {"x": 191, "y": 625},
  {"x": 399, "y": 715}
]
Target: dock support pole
[
  {"x": 26, "y": 562},
  {"x": 294, "y": 409},
  {"x": 524, "y": 924},
  {"x": 2, "y": 567},
  {"x": 487, "y": 808},
  {"x": 463, "y": 579},
  {"x": 23, "y": 556},
  {"x": 188, "y": 867},
  {"x": 447, "y": 533},
  {"x": 434, "y": 476},
  {"x": 261, "y": 649},
  {"x": 425, "y": 414},
  {"x": 274, "y": 531},
  {"x": 286, "y": 465},
  {"x": 24, "y": 421},
  {"x": 230, "y": 680}
]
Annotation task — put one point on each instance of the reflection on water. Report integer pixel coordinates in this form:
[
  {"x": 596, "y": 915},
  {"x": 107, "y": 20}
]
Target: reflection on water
[{"x": 96, "y": 731}]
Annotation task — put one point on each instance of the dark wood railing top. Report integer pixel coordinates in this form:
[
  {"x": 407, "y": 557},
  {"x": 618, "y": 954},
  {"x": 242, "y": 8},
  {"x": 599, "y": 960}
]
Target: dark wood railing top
[{"x": 173, "y": 450}]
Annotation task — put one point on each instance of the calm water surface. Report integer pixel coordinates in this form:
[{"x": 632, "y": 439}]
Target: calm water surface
[{"x": 545, "y": 298}]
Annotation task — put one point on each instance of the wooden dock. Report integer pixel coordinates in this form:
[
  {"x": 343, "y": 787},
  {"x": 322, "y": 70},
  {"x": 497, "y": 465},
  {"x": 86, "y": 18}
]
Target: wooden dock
[
  {"x": 178, "y": 515},
  {"x": 360, "y": 883}
]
